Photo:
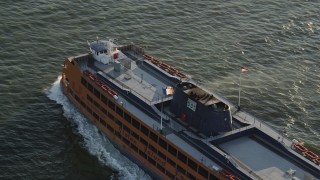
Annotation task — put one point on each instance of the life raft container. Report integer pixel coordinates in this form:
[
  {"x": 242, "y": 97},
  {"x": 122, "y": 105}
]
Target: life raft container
[
  {"x": 181, "y": 75},
  {"x": 172, "y": 70},
  {"x": 99, "y": 83},
  {"x": 113, "y": 94},
  {"x": 317, "y": 161},
  {"x": 87, "y": 73},
  {"x": 300, "y": 148},
  {"x": 233, "y": 178},
  {"x": 310, "y": 155},
  {"x": 147, "y": 57},
  {"x": 225, "y": 173},
  {"x": 156, "y": 62},
  {"x": 92, "y": 77},
  {"x": 164, "y": 66},
  {"x": 105, "y": 88}
]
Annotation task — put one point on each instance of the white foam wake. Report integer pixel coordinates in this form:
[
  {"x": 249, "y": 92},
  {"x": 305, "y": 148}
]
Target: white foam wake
[{"x": 96, "y": 143}]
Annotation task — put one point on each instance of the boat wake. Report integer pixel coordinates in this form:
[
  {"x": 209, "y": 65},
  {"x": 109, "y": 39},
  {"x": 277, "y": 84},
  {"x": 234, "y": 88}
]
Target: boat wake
[{"x": 96, "y": 143}]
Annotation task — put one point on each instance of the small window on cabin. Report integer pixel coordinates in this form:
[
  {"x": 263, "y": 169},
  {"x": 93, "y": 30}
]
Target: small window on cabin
[
  {"x": 144, "y": 142},
  {"x": 180, "y": 169},
  {"x": 118, "y": 134},
  {"x": 203, "y": 172},
  {"x": 212, "y": 177},
  {"x": 143, "y": 154},
  {"x": 71, "y": 92},
  {"x": 135, "y": 148},
  {"x": 103, "y": 122},
  {"x": 162, "y": 155},
  {"x": 111, "y": 116},
  {"x": 83, "y": 104},
  {"x": 125, "y": 128},
  {"x": 182, "y": 157},
  {"x": 118, "y": 122},
  {"x": 192, "y": 164},
  {"x": 77, "y": 98},
  {"x": 144, "y": 130},
  {"x": 153, "y": 162},
  {"x": 153, "y": 136},
  {"x": 126, "y": 141},
  {"x": 89, "y": 110},
  {"x": 171, "y": 162},
  {"x": 127, "y": 117},
  {"x": 104, "y": 111},
  {"x": 110, "y": 128},
  {"x": 190, "y": 176},
  {"x": 111, "y": 105},
  {"x": 90, "y": 87},
  {"x": 95, "y": 116},
  {"x": 170, "y": 175},
  {"x": 89, "y": 98},
  {"x": 119, "y": 111},
  {"x": 152, "y": 148},
  {"x": 104, "y": 99},
  {"x": 136, "y": 124},
  {"x": 162, "y": 143},
  {"x": 135, "y": 135},
  {"x": 172, "y": 150},
  {"x": 96, "y": 104},
  {"x": 96, "y": 93},
  {"x": 83, "y": 82},
  {"x": 161, "y": 168}
]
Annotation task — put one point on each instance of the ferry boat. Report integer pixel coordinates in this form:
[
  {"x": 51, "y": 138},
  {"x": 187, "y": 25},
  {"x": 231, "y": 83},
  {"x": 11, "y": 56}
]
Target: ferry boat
[{"x": 173, "y": 128}]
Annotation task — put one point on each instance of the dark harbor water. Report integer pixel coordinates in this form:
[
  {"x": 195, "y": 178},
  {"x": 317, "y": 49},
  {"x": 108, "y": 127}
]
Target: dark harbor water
[{"x": 42, "y": 136}]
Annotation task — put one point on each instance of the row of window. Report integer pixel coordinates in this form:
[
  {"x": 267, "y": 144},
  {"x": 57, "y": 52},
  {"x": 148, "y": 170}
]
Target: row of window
[
  {"x": 124, "y": 139},
  {"x": 140, "y": 127}
]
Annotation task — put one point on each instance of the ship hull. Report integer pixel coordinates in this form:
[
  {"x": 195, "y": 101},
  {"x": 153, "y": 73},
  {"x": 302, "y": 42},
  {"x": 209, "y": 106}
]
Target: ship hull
[{"x": 123, "y": 150}]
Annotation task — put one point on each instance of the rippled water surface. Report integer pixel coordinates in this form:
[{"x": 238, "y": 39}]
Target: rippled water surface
[{"x": 42, "y": 136}]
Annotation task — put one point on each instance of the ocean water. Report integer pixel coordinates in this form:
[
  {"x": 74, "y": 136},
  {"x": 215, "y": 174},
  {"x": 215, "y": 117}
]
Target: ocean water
[{"x": 43, "y": 136}]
